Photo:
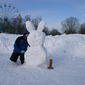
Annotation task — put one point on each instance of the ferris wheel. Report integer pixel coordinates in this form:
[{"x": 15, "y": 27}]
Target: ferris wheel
[{"x": 8, "y": 11}]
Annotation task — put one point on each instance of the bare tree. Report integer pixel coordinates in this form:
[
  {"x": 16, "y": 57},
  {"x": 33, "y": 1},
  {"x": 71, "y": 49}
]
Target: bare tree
[
  {"x": 70, "y": 25},
  {"x": 82, "y": 29}
]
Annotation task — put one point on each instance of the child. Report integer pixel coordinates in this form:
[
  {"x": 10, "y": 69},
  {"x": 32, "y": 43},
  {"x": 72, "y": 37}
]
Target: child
[{"x": 20, "y": 47}]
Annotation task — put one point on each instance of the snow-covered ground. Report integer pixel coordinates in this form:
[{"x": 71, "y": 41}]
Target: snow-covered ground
[{"x": 68, "y": 52}]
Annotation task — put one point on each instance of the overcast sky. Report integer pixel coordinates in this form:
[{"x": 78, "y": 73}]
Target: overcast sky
[{"x": 52, "y": 11}]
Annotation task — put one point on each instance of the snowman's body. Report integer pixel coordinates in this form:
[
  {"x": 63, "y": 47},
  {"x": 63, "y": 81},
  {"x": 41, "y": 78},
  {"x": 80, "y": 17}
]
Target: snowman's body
[{"x": 36, "y": 54}]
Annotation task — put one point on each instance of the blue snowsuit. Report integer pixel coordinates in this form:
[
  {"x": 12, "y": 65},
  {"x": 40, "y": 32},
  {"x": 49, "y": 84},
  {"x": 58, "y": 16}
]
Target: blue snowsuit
[{"x": 20, "y": 44}]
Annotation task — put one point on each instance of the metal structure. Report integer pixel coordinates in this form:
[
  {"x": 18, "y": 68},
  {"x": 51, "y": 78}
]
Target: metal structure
[{"x": 8, "y": 11}]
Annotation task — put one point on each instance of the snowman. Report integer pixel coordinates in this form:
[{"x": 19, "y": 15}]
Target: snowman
[{"x": 36, "y": 54}]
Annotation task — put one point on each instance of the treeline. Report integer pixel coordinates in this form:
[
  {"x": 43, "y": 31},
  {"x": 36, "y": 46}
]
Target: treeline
[
  {"x": 13, "y": 25},
  {"x": 16, "y": 25},
  {"x": 70, "y": 25}
]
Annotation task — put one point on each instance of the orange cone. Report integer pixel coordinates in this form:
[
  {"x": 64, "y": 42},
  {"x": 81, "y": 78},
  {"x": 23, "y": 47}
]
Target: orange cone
[{"x": 50, "y": 63}]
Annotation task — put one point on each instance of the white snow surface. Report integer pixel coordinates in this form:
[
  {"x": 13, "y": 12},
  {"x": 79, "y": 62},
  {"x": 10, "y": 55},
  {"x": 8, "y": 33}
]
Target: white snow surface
[{"x": 68, "y": 52}]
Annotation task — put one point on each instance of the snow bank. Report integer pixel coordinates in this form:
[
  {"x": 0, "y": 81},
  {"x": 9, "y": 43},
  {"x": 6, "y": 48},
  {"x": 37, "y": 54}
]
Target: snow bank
[
  {"x": 6, "y": 42},
  {"x": 73, "y": 45}
]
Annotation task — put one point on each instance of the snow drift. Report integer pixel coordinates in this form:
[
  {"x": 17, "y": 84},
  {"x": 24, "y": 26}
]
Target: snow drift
[{"x": 73, "y": 45}]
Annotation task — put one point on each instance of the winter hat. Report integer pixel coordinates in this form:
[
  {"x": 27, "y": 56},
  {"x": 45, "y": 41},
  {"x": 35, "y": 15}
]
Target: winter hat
[{"x": 26, "y": 32}]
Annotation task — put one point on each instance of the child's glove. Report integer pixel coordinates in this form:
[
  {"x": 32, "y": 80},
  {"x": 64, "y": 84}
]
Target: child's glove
[{"x": 22, "y": 52}]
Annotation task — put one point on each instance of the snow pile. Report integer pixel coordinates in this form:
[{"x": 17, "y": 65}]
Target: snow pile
[
  {"x": 73, "y": 45},
  {"x": 36, "y": 54},
  {"x": 6, "y": 42}
]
